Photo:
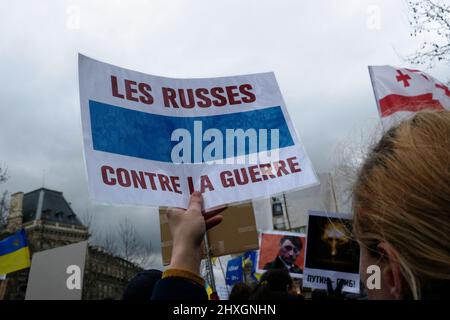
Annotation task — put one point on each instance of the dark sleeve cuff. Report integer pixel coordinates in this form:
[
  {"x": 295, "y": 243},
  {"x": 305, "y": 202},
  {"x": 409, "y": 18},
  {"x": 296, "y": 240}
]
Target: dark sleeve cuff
[{"x": 177, "y": 288}]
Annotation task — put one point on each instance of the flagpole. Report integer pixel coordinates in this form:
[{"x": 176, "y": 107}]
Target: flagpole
[
  {"x": 3, "y": 286},
  {"x": 371, "y": 75},
  {"x": 223, "y": 273},
  {"x": 333, "y": 192},
  {"x": 287, "y": 213},
  {"x": 212, "y": 282}
]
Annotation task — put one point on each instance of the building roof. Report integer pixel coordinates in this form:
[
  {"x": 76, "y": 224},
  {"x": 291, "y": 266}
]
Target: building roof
[
  {"x": 99, "y": 250},
  {"x": 48, "y": 205}
]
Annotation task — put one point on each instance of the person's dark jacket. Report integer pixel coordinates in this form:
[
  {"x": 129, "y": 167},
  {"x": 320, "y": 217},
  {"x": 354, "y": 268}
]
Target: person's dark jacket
[
  {"x": 278, "y": 264},
  {"x": 177, "y": 288}
]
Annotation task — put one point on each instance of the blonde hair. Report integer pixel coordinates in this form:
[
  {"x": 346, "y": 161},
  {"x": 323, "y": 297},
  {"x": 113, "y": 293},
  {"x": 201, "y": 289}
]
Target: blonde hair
[{"x": 402, "y": 197}]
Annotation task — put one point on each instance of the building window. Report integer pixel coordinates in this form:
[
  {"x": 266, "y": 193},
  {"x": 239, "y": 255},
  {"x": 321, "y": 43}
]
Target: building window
[
  {"x": 59, "y": 215},
  {"x": 279, "y": 224},
  {"x": 277, "y": 208}
]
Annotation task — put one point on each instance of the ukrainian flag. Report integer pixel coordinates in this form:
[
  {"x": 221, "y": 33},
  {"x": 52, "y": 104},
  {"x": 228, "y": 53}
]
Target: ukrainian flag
[
  {"x": 14, "y": 253},
  {"x": 209, "y": 290}
]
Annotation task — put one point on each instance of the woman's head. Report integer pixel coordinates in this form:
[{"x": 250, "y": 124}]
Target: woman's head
[{"x": 401, "y": 204}]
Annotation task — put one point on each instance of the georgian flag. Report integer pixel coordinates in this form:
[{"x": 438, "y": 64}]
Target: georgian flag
[{"x": 400, "y": 92}]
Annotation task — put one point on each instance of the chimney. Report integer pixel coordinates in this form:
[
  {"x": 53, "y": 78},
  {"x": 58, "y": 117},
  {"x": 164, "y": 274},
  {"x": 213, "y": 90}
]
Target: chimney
[{"x": 15, "y": 217}]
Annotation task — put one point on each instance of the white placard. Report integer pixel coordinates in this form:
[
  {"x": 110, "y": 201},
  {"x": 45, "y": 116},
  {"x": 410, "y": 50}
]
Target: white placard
[{"x": 151, "y": 140}]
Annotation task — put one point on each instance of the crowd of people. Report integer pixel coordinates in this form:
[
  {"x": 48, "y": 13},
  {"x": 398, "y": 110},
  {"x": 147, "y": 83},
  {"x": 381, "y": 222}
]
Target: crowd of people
[
  {"x": 401, "y": 220},
  {"x": 275, "y": 284}
]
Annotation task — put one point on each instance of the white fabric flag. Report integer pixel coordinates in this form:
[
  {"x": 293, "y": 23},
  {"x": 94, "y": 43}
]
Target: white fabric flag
[{"x": 401, "y": 92}]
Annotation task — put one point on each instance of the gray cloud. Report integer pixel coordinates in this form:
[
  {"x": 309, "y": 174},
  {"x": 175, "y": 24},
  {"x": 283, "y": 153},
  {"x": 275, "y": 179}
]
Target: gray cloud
[{"x": 318, "y": 50}]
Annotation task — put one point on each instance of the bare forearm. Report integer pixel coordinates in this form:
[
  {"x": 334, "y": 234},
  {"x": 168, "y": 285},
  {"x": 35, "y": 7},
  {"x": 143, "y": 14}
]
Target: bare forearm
[{"x": 186, "y": 257}]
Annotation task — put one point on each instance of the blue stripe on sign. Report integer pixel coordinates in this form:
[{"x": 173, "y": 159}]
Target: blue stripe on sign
[{"x": 148, "y": 136}]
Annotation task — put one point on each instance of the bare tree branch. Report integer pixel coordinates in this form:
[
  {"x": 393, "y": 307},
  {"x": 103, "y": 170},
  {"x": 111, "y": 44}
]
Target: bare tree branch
[
  {"x": 430, "y": 18},
  {"x": 87, "y": 219},
  {"x": 124, "y": 241},
  {"x": 4, "y": 208},
  {"x": 3, "y": 175},
  {"x": 348, "y": 156},
  {"x": 128, "y": 239},
  {"x": 109, "y": 243},
  {"x": 4, "y": 200}
]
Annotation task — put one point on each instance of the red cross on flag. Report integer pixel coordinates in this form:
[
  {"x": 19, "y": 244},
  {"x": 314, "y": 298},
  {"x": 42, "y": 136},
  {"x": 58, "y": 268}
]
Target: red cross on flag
[{"x": 401, "y": 92}]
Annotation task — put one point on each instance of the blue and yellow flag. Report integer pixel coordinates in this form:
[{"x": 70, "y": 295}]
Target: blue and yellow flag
[
  {"x": 250, "y": 258},
  {"x": 14, "y": 253},
  {"x": 209, "y": 290}
]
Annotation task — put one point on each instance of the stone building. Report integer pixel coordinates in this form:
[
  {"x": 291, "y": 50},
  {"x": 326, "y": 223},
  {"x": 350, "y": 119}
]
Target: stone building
[{"x": 50, "y": 222}]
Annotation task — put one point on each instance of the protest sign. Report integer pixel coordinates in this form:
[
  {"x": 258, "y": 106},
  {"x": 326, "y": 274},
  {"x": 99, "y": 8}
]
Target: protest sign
[
  {"x": 400, "y": 92},
  {"x": 57, "y": 274},
  {"x": 281, "y": 249},
  {"x": 234, "y": 271},
  {"x": 331, "y": 252},
  {"x": 151, "y": 140},
  {"x": 222, "y": 292},
  {"x": 235, "y": 234}
]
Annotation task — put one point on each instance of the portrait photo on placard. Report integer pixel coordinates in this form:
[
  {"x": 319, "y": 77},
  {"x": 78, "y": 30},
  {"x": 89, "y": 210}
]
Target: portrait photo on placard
[
  {"x": 331, "y": 246},
  {"x": 282, "y": 250}
]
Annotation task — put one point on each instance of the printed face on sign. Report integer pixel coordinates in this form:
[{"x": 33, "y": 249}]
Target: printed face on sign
[
  {"x": 330, "y": 245},
  {"x": 335, "y": 235},
  {"x": 282, "y": 250},
  {"x": 289, "y": 251}
]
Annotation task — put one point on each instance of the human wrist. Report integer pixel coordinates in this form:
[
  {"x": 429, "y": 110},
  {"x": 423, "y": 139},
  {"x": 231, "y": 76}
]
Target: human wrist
[{"x": 186, "y": 256}]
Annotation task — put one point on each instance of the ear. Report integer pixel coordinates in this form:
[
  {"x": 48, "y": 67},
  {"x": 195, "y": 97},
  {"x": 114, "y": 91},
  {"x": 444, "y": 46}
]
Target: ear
[{"x": 392, "y": 277}]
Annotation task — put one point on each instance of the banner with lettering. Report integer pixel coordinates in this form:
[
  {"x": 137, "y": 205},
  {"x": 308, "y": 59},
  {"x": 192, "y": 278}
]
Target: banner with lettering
[
  {"x": 151, "y": 140},
  {"x": 234, "y": 271}
]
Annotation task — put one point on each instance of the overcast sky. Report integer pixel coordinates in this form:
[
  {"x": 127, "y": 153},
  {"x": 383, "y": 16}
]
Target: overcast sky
[{"x": 319, "y": 51}]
